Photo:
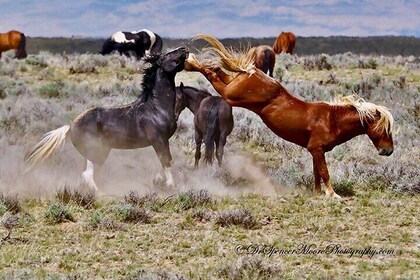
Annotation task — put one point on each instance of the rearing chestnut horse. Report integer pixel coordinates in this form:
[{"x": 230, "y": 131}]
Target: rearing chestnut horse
[
  {"x": 316, "y": 126},
  {"x": 13, "y": 40}
]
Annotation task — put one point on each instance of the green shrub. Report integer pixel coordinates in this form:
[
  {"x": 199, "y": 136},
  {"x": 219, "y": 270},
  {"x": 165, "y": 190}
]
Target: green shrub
[
  {"x": 11, "y": 203},
  {"x": 193, "y": 198},
  {"x": 58, "y": 213},
  {"x": 344, "y": 188},
  {"x": 51, "y": 90}
]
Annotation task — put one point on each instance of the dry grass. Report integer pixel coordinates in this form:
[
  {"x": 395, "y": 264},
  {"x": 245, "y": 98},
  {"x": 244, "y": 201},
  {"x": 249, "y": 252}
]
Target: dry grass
[{"x": 192, "y": 249}]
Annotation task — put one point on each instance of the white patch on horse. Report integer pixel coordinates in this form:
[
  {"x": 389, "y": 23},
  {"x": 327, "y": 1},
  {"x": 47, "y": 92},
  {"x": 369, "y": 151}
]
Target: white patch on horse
[
  {"x": 88, "y": 175},
  {"x": 119, "y": 37},
  {"x": 152, "y": 37}
]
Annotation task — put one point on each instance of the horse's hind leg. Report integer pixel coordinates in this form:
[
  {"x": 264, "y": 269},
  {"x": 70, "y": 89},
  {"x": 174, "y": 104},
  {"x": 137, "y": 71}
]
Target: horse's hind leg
[
  {"x": 88, "y": 175},
  {"x": 220, "y": 148},
  {"x": 95, "y": 158},
  {"x": 198, "y": 141},
  {"x": 161, "y": 148}
]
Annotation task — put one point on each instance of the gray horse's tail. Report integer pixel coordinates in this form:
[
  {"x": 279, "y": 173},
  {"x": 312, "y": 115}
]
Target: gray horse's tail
[
  {"x": 21, "y": 51},
  {"x": 212, "y": 123},
  {"x": 51, "y": 142}
]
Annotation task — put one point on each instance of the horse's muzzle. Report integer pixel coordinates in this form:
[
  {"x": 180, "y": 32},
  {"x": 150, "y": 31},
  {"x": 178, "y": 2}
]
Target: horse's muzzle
[{"x": 385, "y": 151}]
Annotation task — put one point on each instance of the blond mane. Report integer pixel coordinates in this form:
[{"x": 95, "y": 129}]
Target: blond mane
[
  {"x": 367, "y": 111},
  {"x": 218, "y": 56}
]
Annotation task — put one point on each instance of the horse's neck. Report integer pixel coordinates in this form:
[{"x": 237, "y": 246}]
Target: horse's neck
[
  {"x": 163, "y": 93},
  {"x": 347, "y": 122},
  {"x": 194, "y": 99}
]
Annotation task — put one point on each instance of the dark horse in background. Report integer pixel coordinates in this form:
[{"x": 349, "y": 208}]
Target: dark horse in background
[
  {"x": 140, "y": 43},
  {"x": 285, "y": 43},
  {"x": 148, "y": 121},
  {"x": 13, "y": 40},
  {"x": 265, "y": 59},
  {"x": 213, "y": 120}
]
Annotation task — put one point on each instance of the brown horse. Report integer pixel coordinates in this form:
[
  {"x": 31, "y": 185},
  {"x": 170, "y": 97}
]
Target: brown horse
[
  {"x": 213, "y": 120},
  {"x": 316, "y": 126},
  {"x": 285, "y": 43},
  {"x": 265, "y": 58},
  {"x": 13, "y": 40}
]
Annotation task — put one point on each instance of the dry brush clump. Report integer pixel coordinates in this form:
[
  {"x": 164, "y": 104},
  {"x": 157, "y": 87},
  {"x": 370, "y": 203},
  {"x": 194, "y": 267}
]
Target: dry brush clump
[
  {"x": 250, "y": 268},
  {"x": 149, "y": 201},
  {"x": 192, "y": 199},
  {"x": 134, "y": 214},
  {"x": 80, "y": 195},
  {"x": 238, "y": 217}
]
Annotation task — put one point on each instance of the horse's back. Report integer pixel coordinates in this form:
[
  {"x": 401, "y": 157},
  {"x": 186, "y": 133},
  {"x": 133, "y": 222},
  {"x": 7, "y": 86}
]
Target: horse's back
[
  {"x": 285, "y": 42},
  {"x": 223, "y": 109},
  {"x": 10, "y": 40}
]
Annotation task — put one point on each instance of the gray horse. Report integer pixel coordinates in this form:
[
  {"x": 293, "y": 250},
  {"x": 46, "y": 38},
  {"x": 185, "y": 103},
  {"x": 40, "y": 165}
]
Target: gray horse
[{"x": 148, "y": 121}]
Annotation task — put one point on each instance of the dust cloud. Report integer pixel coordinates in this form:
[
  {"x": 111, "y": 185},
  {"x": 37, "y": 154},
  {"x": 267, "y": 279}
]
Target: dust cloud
[{"x": 126, "y": 170}]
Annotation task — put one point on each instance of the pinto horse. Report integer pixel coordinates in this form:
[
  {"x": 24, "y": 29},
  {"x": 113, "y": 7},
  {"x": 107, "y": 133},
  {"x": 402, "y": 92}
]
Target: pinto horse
[
  {"x": 265, "y": 59},
  {"x": 213, "y": 120},
  {"x": 142, "y": 42},
  {"x": 285, "y": 43},
  {"x": 148, "y": 121},
  {"x": 316, "y": 126},
  {"x": 13, "y": 40}
]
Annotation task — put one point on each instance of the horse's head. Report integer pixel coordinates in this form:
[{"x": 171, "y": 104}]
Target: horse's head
[
  {"x": 174, "y": 61},
  {"x": 379, "y": 131},
  {"x": 180, "y": 102}
]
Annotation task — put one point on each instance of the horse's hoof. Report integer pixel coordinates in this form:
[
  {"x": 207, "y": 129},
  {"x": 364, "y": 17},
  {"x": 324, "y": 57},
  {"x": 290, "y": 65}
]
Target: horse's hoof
[
  {"x": 158, "y": 181},
  {"x": 333, "y": 196}
]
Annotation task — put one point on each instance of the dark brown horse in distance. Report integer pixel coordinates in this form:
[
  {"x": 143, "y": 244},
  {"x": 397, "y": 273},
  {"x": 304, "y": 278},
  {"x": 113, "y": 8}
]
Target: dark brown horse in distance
[
  {"x": 316, "y": 126},
  {"x": 265, "y": 59},
  {"x": 285, "y": 43},
  {"x": 213, "y": 120},
  {"x": 148, "y": 121},
  {"x": 13, "y": 40}
]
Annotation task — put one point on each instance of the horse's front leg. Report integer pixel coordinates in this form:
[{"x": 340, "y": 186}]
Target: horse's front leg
[
  {"x": 321, "y": 165},
  {"x": 317, "y": 177},
  {"x": 161, "y": 148}
]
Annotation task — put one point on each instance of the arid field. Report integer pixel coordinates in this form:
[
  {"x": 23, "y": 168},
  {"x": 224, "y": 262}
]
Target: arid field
[{"x": 253, "y": 218}]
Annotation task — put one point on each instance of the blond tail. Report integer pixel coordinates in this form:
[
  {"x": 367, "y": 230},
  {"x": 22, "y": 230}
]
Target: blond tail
[{"x": 50, "y": 142}]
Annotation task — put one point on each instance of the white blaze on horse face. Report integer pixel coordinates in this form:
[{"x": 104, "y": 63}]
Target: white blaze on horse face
[
  {"x": 88, "y": 175},
  {"x": 119, "y": 37}
]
